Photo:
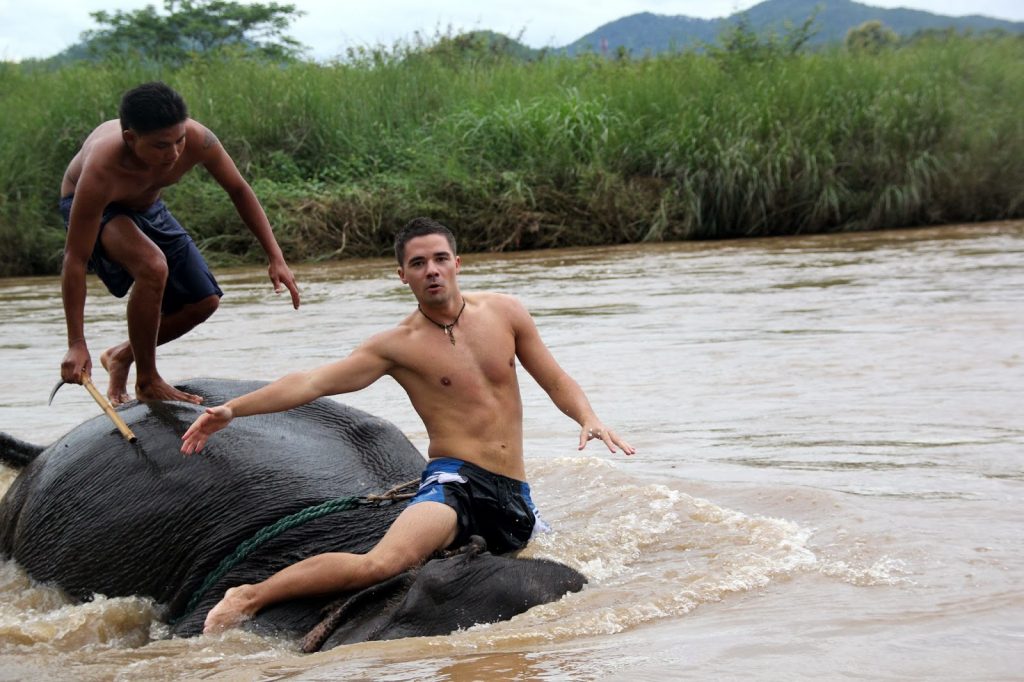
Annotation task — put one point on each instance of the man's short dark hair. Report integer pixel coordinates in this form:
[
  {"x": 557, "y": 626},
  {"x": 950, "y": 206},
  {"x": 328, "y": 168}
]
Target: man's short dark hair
[
  {"x": 420, "y": 227},
  {"x": 151, "y": 106}
]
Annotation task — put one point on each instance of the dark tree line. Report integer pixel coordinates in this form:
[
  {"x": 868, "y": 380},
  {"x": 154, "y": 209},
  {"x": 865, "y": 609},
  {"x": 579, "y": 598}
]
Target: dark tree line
[{"x": 188, "y": 27}]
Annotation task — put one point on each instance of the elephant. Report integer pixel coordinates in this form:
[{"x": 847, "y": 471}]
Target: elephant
[{"x": 95, "y": 514}]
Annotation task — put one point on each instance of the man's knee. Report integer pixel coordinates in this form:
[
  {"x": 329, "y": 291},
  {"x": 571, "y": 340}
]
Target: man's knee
[
  {"x": 201, "y": 310},
  {"x": 383, "y": 565},
  {"x": 151, "y": 270}
]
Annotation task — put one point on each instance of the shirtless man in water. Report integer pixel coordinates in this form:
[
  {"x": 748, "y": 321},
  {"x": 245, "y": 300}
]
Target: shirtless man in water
[
  {"x": 455, "y": 356},
  {"x": 117, "y": 223}
]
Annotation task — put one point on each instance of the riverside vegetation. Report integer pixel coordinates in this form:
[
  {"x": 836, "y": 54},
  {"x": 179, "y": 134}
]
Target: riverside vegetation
[{"x": 550, "y": 152}]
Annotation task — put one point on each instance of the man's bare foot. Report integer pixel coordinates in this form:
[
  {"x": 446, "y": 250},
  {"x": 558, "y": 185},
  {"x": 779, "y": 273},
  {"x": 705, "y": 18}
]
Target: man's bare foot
[
  {"x": 229, "y": 612},
  {"x": 159, "y": 389},
  {"x": 117, "y": 360}
]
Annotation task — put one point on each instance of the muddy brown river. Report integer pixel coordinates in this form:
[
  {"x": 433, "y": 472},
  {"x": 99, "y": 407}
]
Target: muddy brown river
[{"x": 829, "y": 483}]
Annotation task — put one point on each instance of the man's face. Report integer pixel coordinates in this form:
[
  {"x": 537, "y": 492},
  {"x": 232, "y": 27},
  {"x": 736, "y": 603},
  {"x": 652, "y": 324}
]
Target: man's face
[
  {"x": 159, "y": 148},
  {"x": 430, "y": 268}
]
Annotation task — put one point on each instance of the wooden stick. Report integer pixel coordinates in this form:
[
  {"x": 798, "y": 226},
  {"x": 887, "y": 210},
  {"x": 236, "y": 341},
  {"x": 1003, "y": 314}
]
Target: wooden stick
[{"x": 109, "y": 409}]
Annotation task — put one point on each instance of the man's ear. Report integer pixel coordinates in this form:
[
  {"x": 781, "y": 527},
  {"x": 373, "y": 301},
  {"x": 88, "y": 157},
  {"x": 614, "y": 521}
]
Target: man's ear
[
  {"x": 129, "y": 136},
  {"x": 458, "y": 264},
  {"x": 401, "y": 275}
]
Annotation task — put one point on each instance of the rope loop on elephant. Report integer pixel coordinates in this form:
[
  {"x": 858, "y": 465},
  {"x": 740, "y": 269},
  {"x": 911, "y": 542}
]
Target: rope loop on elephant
[
  {"x": 396, "y": 493},
  {"x": 399, "y": 492}
]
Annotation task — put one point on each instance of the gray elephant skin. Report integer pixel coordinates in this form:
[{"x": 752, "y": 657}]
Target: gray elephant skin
[{"x": 95, "y": 514}]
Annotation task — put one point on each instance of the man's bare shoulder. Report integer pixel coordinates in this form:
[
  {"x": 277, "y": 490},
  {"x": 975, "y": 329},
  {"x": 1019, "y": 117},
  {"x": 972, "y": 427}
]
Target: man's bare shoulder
[
  {"x": 104, "y": 147},
  {"x": 504, "y": 305},
  {"x": 105, "y": 131},
  {"x": 389, "y": 342},
  {"x": 95, "y": 169},
  {"x": 493, "y": 299},
  {"x": 200, "y": 137}
]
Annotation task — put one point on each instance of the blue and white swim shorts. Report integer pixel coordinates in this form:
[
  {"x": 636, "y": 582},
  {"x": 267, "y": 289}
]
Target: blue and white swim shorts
[{"x": 495, "y": 507}]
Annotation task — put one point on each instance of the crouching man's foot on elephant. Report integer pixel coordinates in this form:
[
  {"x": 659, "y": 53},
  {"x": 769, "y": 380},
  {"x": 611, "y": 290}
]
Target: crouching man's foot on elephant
[{"x": 455, "y": 356}]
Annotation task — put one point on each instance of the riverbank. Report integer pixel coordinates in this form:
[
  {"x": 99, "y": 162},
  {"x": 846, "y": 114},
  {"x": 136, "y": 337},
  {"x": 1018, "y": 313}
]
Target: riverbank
[{"x": 550, "y": 153}]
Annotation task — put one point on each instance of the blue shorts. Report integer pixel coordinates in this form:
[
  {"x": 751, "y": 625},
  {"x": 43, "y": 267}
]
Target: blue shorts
[
  {"x": 189, "y": 280},
  {"x": 495, "y": 507}
]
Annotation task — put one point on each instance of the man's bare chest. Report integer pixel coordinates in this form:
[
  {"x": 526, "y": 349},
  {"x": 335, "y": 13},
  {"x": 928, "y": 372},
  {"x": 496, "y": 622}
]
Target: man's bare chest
[
  {"x": 466, "y": 367},
  {"x": 142, "y": 189}
]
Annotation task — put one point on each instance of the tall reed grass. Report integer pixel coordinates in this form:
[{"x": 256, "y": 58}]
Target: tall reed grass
[{"x": 553, "y": 152}]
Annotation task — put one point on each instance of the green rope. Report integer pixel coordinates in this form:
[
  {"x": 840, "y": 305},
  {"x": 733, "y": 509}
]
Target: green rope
[
  {"x": 287, "y": 523},
  {"x": 267, "y": 533}
]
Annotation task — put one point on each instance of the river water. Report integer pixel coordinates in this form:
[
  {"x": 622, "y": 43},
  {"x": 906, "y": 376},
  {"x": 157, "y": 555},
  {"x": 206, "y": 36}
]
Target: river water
[{"x": 829, "y": 479}]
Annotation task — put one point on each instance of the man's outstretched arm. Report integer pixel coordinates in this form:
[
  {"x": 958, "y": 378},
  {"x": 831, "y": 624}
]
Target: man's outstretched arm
[
  {"x": 563, "y": 390},
  {"x": 357, "y": 371}
]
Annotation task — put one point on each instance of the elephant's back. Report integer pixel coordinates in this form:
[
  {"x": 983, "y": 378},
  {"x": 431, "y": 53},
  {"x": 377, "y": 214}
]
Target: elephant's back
[
  {"x": 347, "y": 449},
  {"x": 98, "y": 514}
]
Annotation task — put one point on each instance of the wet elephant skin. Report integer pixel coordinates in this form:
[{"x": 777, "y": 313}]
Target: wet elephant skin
[{"x": 97, "y": 515}]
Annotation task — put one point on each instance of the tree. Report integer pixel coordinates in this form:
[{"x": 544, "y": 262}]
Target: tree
[
  {"x": 190, "y": 27},
  {"x": 871, "y": 36},
  {"x": 740, "y": 42}
]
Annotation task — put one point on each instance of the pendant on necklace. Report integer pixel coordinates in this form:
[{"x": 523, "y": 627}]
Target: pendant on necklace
[{"x": 448, "y": 329}]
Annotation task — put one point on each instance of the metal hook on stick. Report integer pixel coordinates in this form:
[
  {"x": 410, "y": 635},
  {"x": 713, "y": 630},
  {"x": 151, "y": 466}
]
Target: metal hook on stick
[{"x": 103, "y": 403}]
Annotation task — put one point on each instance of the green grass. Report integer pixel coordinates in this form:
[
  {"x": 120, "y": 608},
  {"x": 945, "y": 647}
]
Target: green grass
[{"x": 550, "y": 153}]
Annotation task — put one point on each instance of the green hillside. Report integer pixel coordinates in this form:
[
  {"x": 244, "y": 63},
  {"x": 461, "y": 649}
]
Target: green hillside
[{"x": 653, "y": 33}]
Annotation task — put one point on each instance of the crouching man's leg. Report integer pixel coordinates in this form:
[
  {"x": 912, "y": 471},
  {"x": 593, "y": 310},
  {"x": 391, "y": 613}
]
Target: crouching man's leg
[
  {"x": 419, "y": 531},
  {"x": 148, "y": 326},
  {"x": 117, "y": 360}
]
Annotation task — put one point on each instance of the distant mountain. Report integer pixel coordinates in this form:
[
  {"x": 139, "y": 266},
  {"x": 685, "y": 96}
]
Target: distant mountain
[
  {"x": 646, "y": 32},
  {"x": 75, "y": 53}
]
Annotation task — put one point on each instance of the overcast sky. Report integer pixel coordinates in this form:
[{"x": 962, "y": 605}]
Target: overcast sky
[{"x": 41, "y": 28}]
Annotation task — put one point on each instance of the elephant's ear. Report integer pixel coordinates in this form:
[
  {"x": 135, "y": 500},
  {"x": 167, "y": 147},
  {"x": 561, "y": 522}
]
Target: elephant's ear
[{"x": 362, "y": 609}]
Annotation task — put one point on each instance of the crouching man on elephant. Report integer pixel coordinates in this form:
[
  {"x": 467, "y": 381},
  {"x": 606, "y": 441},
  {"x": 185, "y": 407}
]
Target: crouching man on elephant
[
  {"x": 455, "y": 356},
  {"x": 117, "y": 224}
]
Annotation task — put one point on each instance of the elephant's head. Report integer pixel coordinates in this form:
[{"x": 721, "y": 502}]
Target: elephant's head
[{"x": 470, "y": 587}]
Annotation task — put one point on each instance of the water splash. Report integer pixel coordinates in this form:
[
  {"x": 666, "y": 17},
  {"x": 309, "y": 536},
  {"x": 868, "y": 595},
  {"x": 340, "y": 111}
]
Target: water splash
[{"x": 35, "y": 616}]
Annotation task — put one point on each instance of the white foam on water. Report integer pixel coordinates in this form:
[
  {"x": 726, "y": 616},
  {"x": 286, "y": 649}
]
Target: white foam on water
[
  {"x": 649, "y": 551},
  {"x": 884, "y": 571},
  {"x": 33, "y": 615}
]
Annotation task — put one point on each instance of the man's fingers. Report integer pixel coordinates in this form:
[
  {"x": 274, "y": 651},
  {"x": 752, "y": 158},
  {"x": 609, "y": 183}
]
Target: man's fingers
[
  {"x": 608, "y": 437},
  {"x": 193, "y": 445},
  {"x": 294, "y": 289},
  {"x": 71, "y": 370},
  {"x": 626, "y": 447},
  {"x": 193, "y": 439},
  {"x": 72, "y": 376},
  {"x": 287, "y": 282}
]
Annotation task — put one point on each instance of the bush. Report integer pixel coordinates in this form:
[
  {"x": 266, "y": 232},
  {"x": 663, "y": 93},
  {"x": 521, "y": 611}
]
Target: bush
[{"x": 553, "y": 152}]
